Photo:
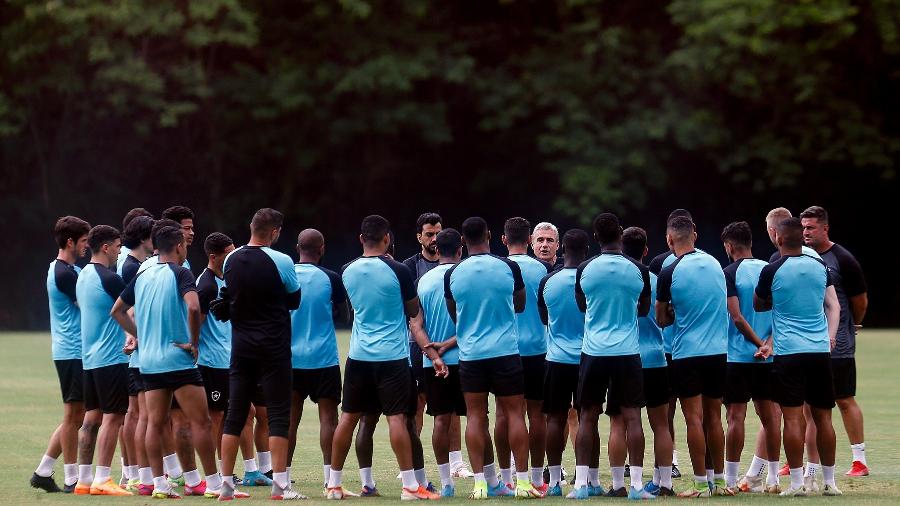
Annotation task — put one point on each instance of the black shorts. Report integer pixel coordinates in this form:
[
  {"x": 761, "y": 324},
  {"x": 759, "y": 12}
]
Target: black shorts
[
  {"x": 804, "y": 377},
  {"x": 135, "y": 382},
  {"x": 71, "y": 379},
  {"x": 215, "y": 382},
  {"x": 745, "y": 381},
  {"x": 324, "y": 383},
  {"x": 259, "y": 397},
  {"x": 377, "y": 387},
  {"x": 672, "y": 393},
  {"x": 106, "y": 389},
  {"x": 844, "y": 372},
  {"x": 501, "y": 376},
  {"x": 703, "y": 375},
  {"x": 172, "y": 380},
  {"x": 443, "y": 395},
  {"x": 533, "y": 374},
  {"x": 560, "y": 386},
  {"x": 657, "y": 391},
  {"x": 416, "y": 359},
  {"x": 621, "y": 375}
]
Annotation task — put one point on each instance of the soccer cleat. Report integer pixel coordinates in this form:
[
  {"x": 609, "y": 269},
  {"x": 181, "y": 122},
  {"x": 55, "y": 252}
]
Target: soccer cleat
[
  {"x": 132, "y": 485},
  {"x": 368, "y": 491},
  {"x": 198, "y": 490},
  {"x": 145, "y": 489},
  {"x": 665, "y": 492},
  {"x": 525, "y": 490},
  {"x": 479, "y": 491},
  {"x": 256, "y": 479},
  {"x": 82, "y": 489},
  {"x": 68, "y": 489},
  {"x": 460, "y": 470},
  {"x": 288, "y": 494},
  {"x": 238, "y": 482},
  {"x": 448, "y": 491},
  {"x": 773, "y": 489},
  {"x": 176, "y": 482},
  {"x": 811, "y": 484},
  {"x": 430, "y": 487},
  {"x": 596, "y": 490},
  {"x": 720, "y": 488},
  {"x": 831, "y": 490},
  {"x": 580, "y": 493},
  {"x": 617, "y": 492},
  {"x": 639, "y": 495},
  {"x": 785, "y": 470},
  {"x": 45, "y": 483},
  {"x": 501, "y": 490},
  {"x": 675, "y": 472},
  {"x": 335, "y": 493},
  {"x": 794, "y": 492},
  {"x": 554, "y": 491},
  {"x": 697, "y": 491},
  {"x": 108, "y": 488},
  {"x": 417, "y": 494},
  {"x": 651, "y": 487},
  {"x": 541, "y": 488},
  {"x": 752, "y": 485},
  {"x": 858, "y": 469},
  {"x": 165, "y": 494}
]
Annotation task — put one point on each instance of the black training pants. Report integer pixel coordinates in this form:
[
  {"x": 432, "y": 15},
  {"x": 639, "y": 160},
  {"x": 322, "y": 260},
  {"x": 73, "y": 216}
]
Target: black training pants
[{"x": 273, "y": 375}]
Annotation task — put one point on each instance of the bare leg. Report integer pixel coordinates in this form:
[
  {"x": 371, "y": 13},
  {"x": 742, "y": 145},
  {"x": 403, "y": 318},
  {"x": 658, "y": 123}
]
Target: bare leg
[
  {"x": 537, "y": 432},
  {"x": 477, "y": 435},
  {"x": 852, "y": 416},
  {"x": 812, "y": 450},
  {"x": 343, "y": 434},
  {"x": 109, "y": 436},
  {"x": 692, "y": 407},
  {"x": 87, "y": 436},
  {"x": 715, "y": 436},
  {"x": 192, "y": 398}
]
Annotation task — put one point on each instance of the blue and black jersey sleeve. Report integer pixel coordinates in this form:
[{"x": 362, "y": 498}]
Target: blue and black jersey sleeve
[
  {"x": 127, "y": 294},
  {"x": 656, "y": 264},
  {"x": 518, "y": 280},
  {"x": 775, "y": 256},
  {"x": 338, "y": 292},
  {"x": 541, "y": 302},
  {"x": 207, "y": 289},
  {"x": 664, "y": 282},
  {"x": 766, "y": 277},
  {"x": 130, "y": 268},
  {"x": 448, "y": 294},
  {"x": 578, "y": 273},
  {"x": 65, "y": 277},
  {"x": 111, "y": 282},
  {"x": 184, "y": 279},
  {"x": 731, "y": 278},
  {"x": 407, "y": 286}
]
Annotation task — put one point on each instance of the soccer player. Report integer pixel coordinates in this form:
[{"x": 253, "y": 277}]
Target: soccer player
[
  {"x": 565, "y": 333},
  {"x": 214, "y": 351},
  {"x": 545, "y": 243},
  {"x": 130, "y": 215},
  {"x": 532, "y": 341},
  {"x": 377, "y": 376},
  {"x": 166, "y": 325},
  {"x": 850, "y": 286},
  {"x": 749, "y": 369},
  {"x": 105, "y": 364},
  {"x": 691, "y": 296},
  {"x": 436, "y": 334},
  {"x": 483, "y": 294},
  {"x": 794, "y": 289},
  {"x": 184, "y": 217},
  {"x": 612, "y": 290},
  {"x": 314, "y": 351},
  {"x": 71, "y": 235},
  {"x": 657, "y": 391},
  {"x": 773, "y": 218},
  {"x": 261, "y": 290}
]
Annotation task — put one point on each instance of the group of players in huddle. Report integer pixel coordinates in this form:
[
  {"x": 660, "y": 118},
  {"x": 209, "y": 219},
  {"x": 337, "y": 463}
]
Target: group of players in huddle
[{"x": 174, "y": 366}]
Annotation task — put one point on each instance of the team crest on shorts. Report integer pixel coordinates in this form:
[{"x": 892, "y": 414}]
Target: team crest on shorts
[{"x": 215, "y": 395}]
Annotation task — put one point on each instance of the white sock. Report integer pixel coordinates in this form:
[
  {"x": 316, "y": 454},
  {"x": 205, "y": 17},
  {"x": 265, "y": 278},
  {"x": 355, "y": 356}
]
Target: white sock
[
  {"x": 101, "y": 474},
  {"x": 674, "y": 457},
  {"x": 655, "y": 478},
  {"x": 336, "y": 477},
  {"x": 45, "y": 468},
  {"x": 133, "y": 472},
  {"x": 229, "y": 480},
  {"x": 618, "y": 477},
  {"x": 506, "y": 476},
  {"x": 265, "y": 461},
  {"x": 859, "y": 452},
  {"x": 408, "y": 477},
  {"x": 455, "y": 457},
  {"x": 250, "y": 466},
  {"x": 710, "y": 475},
  {"x": 480, "y": 477},
  {"x": 537, "y": 476},
  {"x": 421, "y": 477},
  {"x": 594, "y": 476},
  {"x": 665, "y": 476},
  {"x": 214, "y": 481},
  {"x": 731, "y": 473},
  {"x": 146, "y": 475},
  {"x": 797, "y": 477},
  {"x": 365, "y": 476},
  {"x": 444, "y": 471},
  {"x": 85, "y": 475},
  {"x": 772, "y": 476},
  {"x": 756, "y": 467},
  {"x": 581, "y": 476},
  {"x": 172, "y": 466},
  {"x": 281, "y": 480},
  {"x": 828, "y": 475},
  {"x": 521, "y": 477},
  {"x": 637, "y": 477},
  {"x": 326, "y": 471},
  {"x": 555, "y": 475},
  {"x": 490, "y": 474},
  {"x": 718, "y": 476},
  {"x": 71, "y": 473},
  {"x": 812, "y": 469},
  {"x": 192, "y": 478}
]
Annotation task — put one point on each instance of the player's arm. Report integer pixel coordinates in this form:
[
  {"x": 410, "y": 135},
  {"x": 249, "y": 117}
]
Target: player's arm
[
  {"x": 665, "y": 316},
  {"x": 120, "y": 313},
  {"x": 854, "y": 283},
  {"x": 417, "y": 329},
  {"x": 542, "y": 304},
  {"x": 518, "y": 295},
  {"x": 580, "y": 299},
  {"x": 443, "y": 346},
  {"x": 193, "y": 309},
  {"x": 858, "y": 305},
  {"x": 762, "y": 294},
  {"x": 448, "y": 295},
  {"x": 737, "y": 318},
  {"x": 664, "y": 310},
  {"x": 832, "y": 313},
  {"x": 643, "y": 306}
]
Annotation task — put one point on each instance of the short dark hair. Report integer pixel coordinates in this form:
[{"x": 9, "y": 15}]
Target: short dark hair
[
  {"x": 817, "y": 212},
  {"x": 100, "y": 235},
  {"x": 178, "y": 213},
  {"x": 576, "y": 243},
  {"x": 634, "y": 242},
  {"x": 474, "y": 229},
  {"x": 448, "y": 242},
  {"x": 374, "y": 227},
  {"x": 684, "y": 213},
  {"x": 791, "y": 232},
  {"x": 517, "y": 230},
  {"x": 266, "y": 220},
  {"x": 390, "y": 249},
  {"x": 427, "y": 218},
  {"x": 134, "y": 213},
  {"x": 138, "y": 230},
  {"x": 680, "y": 227},
  {"x": 69, "y": 227},
  {"x": 159, "y": 225},
  {"x": 168, "y": 237},
  {"x": 216, "y": 242},
  {"x": 606, "y": 228},
  {"x": 738, "y": 233}
]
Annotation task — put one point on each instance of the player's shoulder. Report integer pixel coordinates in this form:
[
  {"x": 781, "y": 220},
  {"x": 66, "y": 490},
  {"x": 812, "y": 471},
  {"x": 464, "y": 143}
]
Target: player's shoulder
[
  {"x": 732, "y": 268},
  {"x": 281, "y": 259},
  {"x": 842, "y": 253},
  {"x": 636, "y": 264}
]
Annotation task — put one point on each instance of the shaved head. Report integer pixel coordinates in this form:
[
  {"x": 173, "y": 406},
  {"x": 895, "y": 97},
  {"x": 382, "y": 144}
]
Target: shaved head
[{"x": 310, "y": 241}]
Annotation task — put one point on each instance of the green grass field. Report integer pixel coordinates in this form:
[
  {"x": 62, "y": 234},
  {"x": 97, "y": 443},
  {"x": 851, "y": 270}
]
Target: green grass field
[{"x": 30, "y": 407}]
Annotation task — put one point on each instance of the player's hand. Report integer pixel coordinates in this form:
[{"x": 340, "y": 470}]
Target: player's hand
[
  {"x": 440, "y": 368},
  {"x": 671, "y": 311},
  {"x": 833, "y": 342},
  {"x": 440, "y": 348},
  {"x": 130, "y": 344},
  {"x": 188, "y": 347},
  {"x": 763, "y": 353},
  {"x": 221, "y": 307}
]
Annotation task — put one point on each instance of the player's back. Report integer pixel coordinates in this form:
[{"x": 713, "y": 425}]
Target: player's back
[
  {"x": 102, "y": 339},
  {"x": 215, "y": 335},
  {"x": 650, "y": 336},
  {"x": 313, "y": 338},
  {"x": 65, "y": 316},
  {"x": 741, "y": 278},
  {"x": 438, "y": 324},
  {"x": 565, "y": 322},
  {"x": 796, "y": 285},
  {"x": 531, "y": 331}
]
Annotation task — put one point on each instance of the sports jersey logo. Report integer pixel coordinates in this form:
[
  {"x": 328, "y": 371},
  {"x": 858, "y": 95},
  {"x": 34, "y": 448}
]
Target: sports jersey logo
[{"x": 215, "y": 395}]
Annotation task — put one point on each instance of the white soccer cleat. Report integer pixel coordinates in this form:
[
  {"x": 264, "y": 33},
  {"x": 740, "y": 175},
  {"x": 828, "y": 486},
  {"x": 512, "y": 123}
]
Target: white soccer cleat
[
  {"x": 794, "y": 492},
  {"x": 831, "y": 490}
]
